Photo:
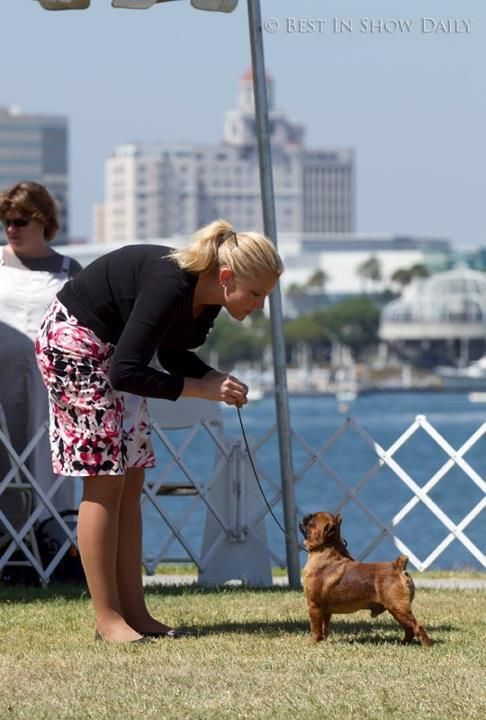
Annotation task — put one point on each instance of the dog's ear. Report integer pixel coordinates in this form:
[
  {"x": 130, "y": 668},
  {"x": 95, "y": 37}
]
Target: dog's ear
[{"x": 330, "y": 531}]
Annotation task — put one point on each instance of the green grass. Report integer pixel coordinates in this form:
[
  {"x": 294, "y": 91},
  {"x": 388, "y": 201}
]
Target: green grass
[
  {"x": 464, "y": 574},
  {"x": 252, "y": 659},
  {"x": 176, "y": 569},
  {"x": 456, "y": 574}
]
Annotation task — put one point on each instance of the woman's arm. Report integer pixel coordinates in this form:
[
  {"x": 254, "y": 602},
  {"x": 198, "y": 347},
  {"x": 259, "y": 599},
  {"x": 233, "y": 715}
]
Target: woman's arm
[
  {"x": 156, "y": 316},
  {"x": 182, "y": 362}
]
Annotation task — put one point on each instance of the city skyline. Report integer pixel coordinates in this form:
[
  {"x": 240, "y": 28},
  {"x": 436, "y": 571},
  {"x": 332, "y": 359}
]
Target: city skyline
[
  {"x": 160, "y": 190},
  {"x": 404, "y": 93}
]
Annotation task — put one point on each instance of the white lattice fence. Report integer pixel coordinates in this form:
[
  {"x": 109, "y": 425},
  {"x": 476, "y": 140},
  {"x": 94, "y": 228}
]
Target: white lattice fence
[
  {"x": 227, "y": 456},
  {"x": 20, "y": 535},
  {"x": 196, "y": 490},
  {"x": 385, "y": 457}
]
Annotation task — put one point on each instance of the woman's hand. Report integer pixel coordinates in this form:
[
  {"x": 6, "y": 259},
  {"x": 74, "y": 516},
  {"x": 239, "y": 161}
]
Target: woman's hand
[
  {"x": 217, "y": 386},
  {"x": 225, "y": 388}
]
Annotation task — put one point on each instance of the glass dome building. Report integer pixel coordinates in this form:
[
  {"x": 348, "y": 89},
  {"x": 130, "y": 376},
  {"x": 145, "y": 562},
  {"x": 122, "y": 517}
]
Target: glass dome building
[{"x": 440, "y": 319}]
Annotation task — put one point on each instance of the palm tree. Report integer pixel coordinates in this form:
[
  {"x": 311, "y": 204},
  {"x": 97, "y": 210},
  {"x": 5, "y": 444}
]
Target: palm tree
[
  {"x": 404, "y": 276},
  {"x": 318, "y": 280},
  {"x": 419, "y": 270},
  {"x": 401, "y": 277},
  {"x": 370, "y": 270}
]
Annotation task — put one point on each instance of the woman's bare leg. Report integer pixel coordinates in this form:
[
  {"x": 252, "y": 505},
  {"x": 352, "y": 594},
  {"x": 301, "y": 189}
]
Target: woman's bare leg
[
  {"x": 129, "y": 562},
  {"x": 98, "y": 535}
]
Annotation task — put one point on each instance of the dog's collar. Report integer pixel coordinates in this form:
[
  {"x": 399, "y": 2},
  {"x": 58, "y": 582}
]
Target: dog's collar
[{"x": 331, "y": 543}]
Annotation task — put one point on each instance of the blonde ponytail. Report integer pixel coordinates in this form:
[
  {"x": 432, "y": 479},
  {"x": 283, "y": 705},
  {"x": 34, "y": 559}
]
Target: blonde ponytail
[{"x": 216, "y": 245}]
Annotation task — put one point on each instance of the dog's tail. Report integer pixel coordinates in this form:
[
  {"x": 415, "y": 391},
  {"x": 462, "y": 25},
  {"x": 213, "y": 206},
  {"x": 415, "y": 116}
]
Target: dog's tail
[{"x": 400, "y": 564}]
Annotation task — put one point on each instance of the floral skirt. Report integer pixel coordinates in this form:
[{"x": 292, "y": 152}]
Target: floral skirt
[{"x": 93, "y": 429}]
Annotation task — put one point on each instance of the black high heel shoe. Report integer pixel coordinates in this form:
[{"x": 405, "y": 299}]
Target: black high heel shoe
[{"x": 172, "y": 634}]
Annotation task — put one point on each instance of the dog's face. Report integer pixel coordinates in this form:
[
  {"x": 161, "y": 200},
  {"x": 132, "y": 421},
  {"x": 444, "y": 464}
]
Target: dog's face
[{"x": 320, "y": 528}]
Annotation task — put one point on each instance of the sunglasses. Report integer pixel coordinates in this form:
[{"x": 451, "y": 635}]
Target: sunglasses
[{"x": 16, "y": 222}]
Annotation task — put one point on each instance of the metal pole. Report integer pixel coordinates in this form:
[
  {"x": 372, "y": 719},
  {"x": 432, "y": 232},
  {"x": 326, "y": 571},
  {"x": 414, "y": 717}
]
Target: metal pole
[{"x": 270, "y": 228}]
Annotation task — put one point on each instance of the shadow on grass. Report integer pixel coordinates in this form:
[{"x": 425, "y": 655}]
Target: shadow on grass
[
  {"x": 365, "y": 632},
  {"x": 25, "y": 594},
  {"x": 361, "y": 632},
  {"x": 19, "y": 593},
  {"x": 358, "y": 632}
]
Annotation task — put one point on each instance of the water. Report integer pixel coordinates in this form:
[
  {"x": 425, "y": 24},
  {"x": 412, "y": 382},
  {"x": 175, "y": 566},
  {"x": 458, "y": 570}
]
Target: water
[{"x": 385, "y": 417}]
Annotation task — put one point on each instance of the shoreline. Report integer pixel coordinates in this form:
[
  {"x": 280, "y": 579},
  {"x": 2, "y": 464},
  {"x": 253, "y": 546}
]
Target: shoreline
[{"x": 374, "y": 390}]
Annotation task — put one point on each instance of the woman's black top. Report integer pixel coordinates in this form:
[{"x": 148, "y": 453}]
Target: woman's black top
[{"x": 139, "y": 300}]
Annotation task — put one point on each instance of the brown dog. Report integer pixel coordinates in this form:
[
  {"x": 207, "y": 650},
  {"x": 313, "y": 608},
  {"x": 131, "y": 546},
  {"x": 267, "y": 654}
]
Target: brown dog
[{"x": 336, "y": 583}]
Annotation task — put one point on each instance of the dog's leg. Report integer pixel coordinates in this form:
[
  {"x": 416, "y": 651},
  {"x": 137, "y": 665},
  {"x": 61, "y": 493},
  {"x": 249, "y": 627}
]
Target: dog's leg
[
  {"x": 408, "y": 621},
  {"x": 317, "y": 619},
  {"x": 421, "y": 633},
  {"x": 326, "y": 619}
]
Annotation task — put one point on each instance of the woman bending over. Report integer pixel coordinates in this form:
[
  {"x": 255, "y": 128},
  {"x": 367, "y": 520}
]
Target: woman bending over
[{"x": 94, "y": 350}]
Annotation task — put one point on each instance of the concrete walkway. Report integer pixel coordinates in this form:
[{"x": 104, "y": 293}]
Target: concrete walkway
[{"x": 431, "y": 584}]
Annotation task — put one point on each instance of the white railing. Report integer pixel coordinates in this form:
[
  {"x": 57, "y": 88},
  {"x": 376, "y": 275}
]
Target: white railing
[
  {"x": 385, "y": 457},
  {"x": 18, "y": 534},
  {"x": 228, "y": 527}
]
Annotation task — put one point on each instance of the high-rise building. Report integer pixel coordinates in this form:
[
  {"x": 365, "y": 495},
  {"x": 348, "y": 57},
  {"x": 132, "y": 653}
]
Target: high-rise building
[
  {"x": 35, "y": 147},
  {"x": 160, "y": 190}
]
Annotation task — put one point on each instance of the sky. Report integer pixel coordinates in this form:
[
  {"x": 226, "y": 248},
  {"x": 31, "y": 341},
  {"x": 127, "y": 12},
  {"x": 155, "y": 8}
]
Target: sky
[{"x": 381, "y": 76}]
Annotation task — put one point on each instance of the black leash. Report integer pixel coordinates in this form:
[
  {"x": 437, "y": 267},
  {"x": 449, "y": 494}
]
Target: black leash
[{"x": 301, "y": 547}]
